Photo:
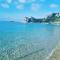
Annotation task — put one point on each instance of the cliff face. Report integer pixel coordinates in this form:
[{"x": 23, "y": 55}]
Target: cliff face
[
  {"x": 32, "y": 19},
  {"x": 54, "y": 17}
]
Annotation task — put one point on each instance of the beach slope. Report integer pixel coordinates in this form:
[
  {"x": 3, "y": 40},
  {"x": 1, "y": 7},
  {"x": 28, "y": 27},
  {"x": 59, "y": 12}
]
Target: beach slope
[{"x": 56, "y": 54}]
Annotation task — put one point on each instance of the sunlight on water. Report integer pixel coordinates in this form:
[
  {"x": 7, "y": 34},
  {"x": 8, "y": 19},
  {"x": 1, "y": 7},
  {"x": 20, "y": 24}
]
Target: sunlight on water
[{"x": 20, "y": 41}]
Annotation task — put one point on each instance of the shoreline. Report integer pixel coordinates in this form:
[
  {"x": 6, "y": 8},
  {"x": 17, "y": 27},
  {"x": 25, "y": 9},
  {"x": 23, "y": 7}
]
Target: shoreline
[
  {"x": 54, "y": 54},
  {"x": 53, "y": 23}
]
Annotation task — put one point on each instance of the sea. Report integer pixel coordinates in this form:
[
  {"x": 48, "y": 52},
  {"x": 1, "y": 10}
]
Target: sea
[{"x": 27, "y": 41}]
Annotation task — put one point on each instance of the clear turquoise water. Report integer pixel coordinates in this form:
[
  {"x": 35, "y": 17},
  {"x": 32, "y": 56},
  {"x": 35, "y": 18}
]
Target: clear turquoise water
[{"x": 19, "y": 41}]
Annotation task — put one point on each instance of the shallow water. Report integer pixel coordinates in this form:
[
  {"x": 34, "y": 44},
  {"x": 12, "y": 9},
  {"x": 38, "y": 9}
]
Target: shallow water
[{"x": 30, "y": 41}]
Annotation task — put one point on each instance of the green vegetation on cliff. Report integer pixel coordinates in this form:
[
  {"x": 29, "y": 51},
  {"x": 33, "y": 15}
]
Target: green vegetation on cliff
[{"x": 53, "y": 18}]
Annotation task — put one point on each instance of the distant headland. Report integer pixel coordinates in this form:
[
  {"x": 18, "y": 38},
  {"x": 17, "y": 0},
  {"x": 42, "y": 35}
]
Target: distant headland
[{"x": 52, "y": 18}]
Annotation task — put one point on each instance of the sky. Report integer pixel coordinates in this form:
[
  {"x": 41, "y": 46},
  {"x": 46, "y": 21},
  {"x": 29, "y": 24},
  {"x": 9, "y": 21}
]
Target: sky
[{"x": 17, "y": 9}]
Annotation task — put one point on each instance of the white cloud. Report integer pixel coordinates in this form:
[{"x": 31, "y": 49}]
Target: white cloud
[
  {"x": 35, "y": 7},
  {"x": 4, "y": 5},
  {"x": 22, "y": 1},
  {"x": 20, "y": 6},
  {"x": 54, "y": 6},
  {"x": 15, "y": 2},
  {"x": 26, "y": 1},
  {"x": 31, "y": 0},
  {"x": 9, "y": 1},
  {"x": 42, "y": 0}
]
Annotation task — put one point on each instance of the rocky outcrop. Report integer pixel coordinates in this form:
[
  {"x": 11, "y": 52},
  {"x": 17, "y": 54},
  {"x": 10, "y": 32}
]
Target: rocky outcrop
[{"x": 50, "y": 18}]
